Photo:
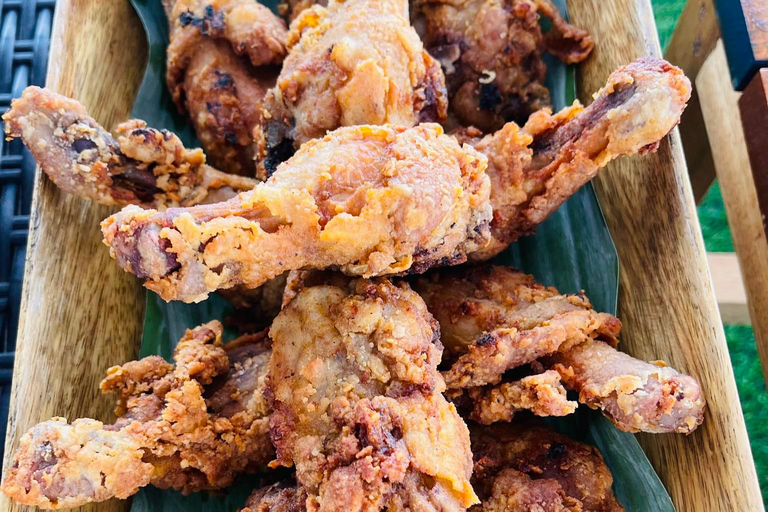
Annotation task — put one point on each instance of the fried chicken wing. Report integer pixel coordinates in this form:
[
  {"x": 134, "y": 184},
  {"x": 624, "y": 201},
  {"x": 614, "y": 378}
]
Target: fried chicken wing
[
  {"x": 355, "y": 62},
  {"x": 144, "y": 166},
  {"x": 279, "y": 497},
  {"x": 358, "y": 408},
  {"x": 221, "y": 62},
  {"x": 418, "y": 197},
  {"x": 636, "y": 396},
  {"x": 542, "y": 394},
  {"x": 524, "y": 466},
  {"x": 554, "y": 156},
  {"x": 495, "y": 318},
  {"x": 491, "y": 52},
  {"x": 190, "y": 427}
]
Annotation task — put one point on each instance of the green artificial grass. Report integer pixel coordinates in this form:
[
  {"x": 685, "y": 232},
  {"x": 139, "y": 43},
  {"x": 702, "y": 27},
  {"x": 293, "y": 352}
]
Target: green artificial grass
[{"x": 741, "y": 338}]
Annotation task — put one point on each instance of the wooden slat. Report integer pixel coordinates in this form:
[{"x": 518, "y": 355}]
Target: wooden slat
[
  {"x": 694, "y": 37},
  {"x": 666, "y": 299},
  {"x": 80, "y": 313},
  {"x": 738, "y": 188},
  {"x": 729, "y": 287},
  {"x": 753, "y": 106}
]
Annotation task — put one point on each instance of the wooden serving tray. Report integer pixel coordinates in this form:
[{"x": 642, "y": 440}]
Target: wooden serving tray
[{"x": 81, "y": 313}]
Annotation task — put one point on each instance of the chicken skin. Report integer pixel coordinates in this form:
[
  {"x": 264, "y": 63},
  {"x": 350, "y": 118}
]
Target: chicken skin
[
  {"x": 355, "y": 62},
  {"x": 418, "y": 197},
  {"x": 190, "y": 427},
  {"x": 358, "y": 408},
  {"x": 144, "y": 166},
  {"x": 555, "y": 155},
  {"x": 222, "y": 59},
  {"x": 279, "y": 497},
  {"x": 524, "y": 466},
  {"x": 492, "y": 55},
  {"x": 493, "y": 319}
]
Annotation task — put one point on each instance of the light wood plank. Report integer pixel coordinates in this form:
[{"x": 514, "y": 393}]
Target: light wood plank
[
  {"x": 738, "y": 188},
  {"x": 80, "y": 313},
  {"x": 666, "y": 299},
  {"x": 729, "y": 287},
  {"x": 694, "y": 37}
]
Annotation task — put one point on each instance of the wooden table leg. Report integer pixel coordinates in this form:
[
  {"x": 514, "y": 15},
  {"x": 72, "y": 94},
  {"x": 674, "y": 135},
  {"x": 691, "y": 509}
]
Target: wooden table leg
[
  {"x": 723, "y": 122},
  {"x": 694, "y": 38}
]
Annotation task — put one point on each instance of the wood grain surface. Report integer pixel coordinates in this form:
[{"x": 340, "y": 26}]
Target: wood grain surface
[
  {"x": 80, "y": 313},
  {"x": 738, "y": 187},
  {"x": 694, "y": 37},
  {"x": 666, "y": 301},
  {"x": 753, "y": 105}
]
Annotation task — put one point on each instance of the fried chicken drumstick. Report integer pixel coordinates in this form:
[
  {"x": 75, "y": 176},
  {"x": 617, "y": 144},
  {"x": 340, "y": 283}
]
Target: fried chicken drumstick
[
  {"x": 418, "y": 197},
  {"x": 491, "y": 52},
  {"x": 355, "y": 62},
  {"x": 524, "y": 466},
  {"x": 384, "y": 200},
  {"x": 221, "y": 61},
  {"x": 190, "y": 427},
  {"x": 493, "y": 319},
  {"x": 144, "y": 166},
  {"x": 358, "y": 408}
]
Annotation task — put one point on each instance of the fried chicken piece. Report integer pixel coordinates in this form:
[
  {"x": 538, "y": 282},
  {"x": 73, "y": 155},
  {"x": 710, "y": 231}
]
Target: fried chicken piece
[
  {"x": 279, "y": 497},
  {"x": 636, "y": 396},
  {"x": 524, "y": 466},
  {"x": 554, "y": 156},
  {"x": 358, "y": 408},
  {"x": 167, "y": 433},
  {"x": 355, "y": 62},
  {"x": 221, "y": 61},
  {"x": 542, "y": 394},
  {"x": 419, "y": 198},
  {"x": 491, "y": 52},
  {"x": 292, "y": 8},
  {"x": 143, "y": 166},
  {"x": 496, "y": 318}
]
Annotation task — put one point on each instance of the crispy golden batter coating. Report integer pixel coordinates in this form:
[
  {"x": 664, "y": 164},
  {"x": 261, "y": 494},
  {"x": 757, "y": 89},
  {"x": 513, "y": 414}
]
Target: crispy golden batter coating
[
  {"x": 143, "y": 166},
  {"x": 190, "y": 427},
  {"x": 556, "y": 155},
  {"x": 542, "y": 394},
  {"x": 524, "y": 466},
  {"x": 279, "y": 497},
  {"x": 355, "y": 62},
  {"x": 419, "y": 198},
  {"x": 635, "y": 395},
  {"x": 358, "y": 408},
  {"x": 491, "y": 52},
  {"x": 495, "y": 318},
  {"x": 220, "y": 63}
]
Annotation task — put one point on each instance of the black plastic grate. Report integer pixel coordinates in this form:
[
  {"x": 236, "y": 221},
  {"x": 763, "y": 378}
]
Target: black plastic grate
[{"x": 25, "y": 32}]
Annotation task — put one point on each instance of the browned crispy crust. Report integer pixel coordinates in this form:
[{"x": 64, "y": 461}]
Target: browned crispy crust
[
  {"x": 221, "y": 60},
  {"x": 358, "y": 408},
  {"x": 543, "y": 394},
  {"x": 524, "y": 466},
  {"x": 635, "y": 395},
  {"x": 144, "y": 166},
  {"x": 491, "y": 52},
  {"x": 419, "y": 197},
  {"x": 190, "y": 427},
  {"x": 279, "y": 497},
  {"x": 496, "y": 318},
  {"x": 556, "y": 155},
  {"x": 355, "y": 62}
]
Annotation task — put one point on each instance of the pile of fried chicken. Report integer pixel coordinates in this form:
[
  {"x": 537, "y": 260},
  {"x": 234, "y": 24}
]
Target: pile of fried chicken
[{"x": 365, "y": 164}]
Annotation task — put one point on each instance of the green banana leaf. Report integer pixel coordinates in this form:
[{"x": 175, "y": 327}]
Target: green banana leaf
[{"x": 572, "y": 250}]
